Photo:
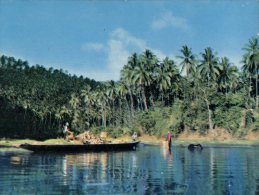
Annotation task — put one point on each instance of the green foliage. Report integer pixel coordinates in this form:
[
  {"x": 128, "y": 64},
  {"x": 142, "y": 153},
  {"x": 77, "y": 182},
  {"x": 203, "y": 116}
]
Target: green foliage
[
  {"x": 152, "y": 96},
  {"x": 228, "y": 111},
  {"x": 158, "y": 121},
  {"x": 195, "y": 114},
  {"x": 34, "y": 101},
  {"x": 175, "y": 122},
  {"x": 229, "y": 119},
  {"x": 250, "y": 118}
]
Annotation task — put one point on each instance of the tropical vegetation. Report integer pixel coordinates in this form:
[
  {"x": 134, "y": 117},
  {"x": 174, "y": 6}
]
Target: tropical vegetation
[{"x": 194, "y": 92}]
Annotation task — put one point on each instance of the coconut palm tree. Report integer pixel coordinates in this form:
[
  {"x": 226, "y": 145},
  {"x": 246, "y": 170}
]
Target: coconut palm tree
[
  {"x": 252, "y": 62},
  {"x": 248, "y": 71},
  {"x": 209, "y": 67},
  {"x": 88, "y": 102},
  {"x": 102, "y": 101},
  {"x": 142, "y": 78},
  {"x": 122, "y": 91},
  {"x": 227, "y": 73},
  {"x": 74, "y": 106},
  {"x": 150, "y": 62},
  {"x": 188, "y": 62},
  {"x": 85, "y": 93},
  {"x": 127, "y": 77},
  {"x": 111, "y": 93},
  {"x": 163, "y": 75}
]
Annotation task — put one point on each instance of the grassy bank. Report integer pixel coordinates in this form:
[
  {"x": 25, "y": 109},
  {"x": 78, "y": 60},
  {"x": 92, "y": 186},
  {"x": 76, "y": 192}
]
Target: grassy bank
[
  {"x": 17, "y": 142},
  {"x": 146, "y": 139}
]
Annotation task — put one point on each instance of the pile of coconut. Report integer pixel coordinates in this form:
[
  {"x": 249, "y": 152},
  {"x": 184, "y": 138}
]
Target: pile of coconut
[{"x": 89, "y": 138}]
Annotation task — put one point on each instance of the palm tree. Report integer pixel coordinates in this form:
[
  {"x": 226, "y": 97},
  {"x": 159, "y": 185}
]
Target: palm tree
[
  {"x": 142, "y": 78},
  {"x": 122, "y": 91},
  {"x": 209, "y": 67},
  {"x": 150, "y": 62},
  {"x": 74, "y": 105},
  {"x": 111, "y": 93},
  {"x": 133, "y": 61},
  {"x": 248, "y": 71},
  {"x": 3, "y": 61},
  {"x": 85, "y": 93},
  {"x": 127, "y": 77},
  {"x": 227, "y": 73},
  {"x": 149, "y": 59},
  {"x": 252, "y": 62},
  {"x": 188, "y": 62},
  {"x": 102, "y": 104},
  {"x": 88, "y": 101},
  {"x": 164, "y": 74}
]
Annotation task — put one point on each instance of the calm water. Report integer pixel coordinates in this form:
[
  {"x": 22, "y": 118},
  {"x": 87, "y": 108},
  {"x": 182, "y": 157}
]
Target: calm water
[{"x": 149, "y": 170}]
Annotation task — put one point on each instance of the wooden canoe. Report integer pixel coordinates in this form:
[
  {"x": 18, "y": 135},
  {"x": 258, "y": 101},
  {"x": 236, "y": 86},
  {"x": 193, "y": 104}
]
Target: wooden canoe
[{"x": 81, "y": 148}]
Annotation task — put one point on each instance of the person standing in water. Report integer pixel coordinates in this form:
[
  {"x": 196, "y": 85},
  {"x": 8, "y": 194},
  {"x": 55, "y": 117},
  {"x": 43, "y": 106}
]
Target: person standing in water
[{"x": 169, "y": 139}]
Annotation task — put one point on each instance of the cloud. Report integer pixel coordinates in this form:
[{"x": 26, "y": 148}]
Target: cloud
[
  {"x": 128, "y": 39},
  {"x": 117, "y": 54},
  {"x": 97, "y": 47},
  {"x": 121, "y": 45},
  {"x": 118, "y": 48},
  {"x": 169, "y": 20},
  {"x": 159, "y": 54}
]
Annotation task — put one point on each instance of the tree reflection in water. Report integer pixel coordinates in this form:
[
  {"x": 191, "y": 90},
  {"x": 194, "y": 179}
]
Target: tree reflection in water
[{"x": 149, "y": 170}]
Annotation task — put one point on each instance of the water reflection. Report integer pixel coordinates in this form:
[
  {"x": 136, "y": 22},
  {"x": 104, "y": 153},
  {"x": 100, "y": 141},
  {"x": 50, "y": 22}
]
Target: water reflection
[{"x": 149, "y": 170}]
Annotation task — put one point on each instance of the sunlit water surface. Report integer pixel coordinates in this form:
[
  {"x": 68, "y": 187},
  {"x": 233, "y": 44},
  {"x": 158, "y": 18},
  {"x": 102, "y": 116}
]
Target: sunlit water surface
[{"x": 148, "y": 170}]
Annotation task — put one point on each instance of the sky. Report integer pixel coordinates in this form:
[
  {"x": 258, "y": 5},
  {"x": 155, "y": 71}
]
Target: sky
[{"x": 95, "y": 38}]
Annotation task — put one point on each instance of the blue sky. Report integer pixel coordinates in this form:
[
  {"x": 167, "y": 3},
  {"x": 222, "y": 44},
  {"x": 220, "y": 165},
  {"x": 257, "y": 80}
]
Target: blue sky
[{"x": 95, "y": 38}]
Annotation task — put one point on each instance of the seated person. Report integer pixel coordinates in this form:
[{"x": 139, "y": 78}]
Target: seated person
[
  {"x": 68, "y": 135},
  {"x": 134, "y": 136}
]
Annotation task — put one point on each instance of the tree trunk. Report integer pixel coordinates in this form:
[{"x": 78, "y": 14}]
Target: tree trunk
[
  {"x": 209, "y": 114},
  {"x": 120, "y": 117},
  {"x": 243, "y": 119},
  {"x": 209, "y": 110},
  {"x": 256, "y": 86},
  {"x": 144, "y": 98},
  {"x": 131, "y": 103},
  {"x": 113, "y": 113},
  {"x": 162, "y": 95},
  {"x": 104, "y": 118},
  {"x": 208, "y": 77},
  {"x": 250, "y": 86},
  {"x": 152, "y": 100}
]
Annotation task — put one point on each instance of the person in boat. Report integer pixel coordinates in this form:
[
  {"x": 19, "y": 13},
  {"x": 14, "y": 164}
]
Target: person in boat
[
  {"x": 134, "y": 136},
  {"x": 66, "y": 131},
  {"x": 169, "y": 139}
]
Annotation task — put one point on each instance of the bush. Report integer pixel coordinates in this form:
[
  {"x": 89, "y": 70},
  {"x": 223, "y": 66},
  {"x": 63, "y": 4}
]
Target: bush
[
  {"x": 228, "y": 118},
  {"x": 159, "y": 120}
]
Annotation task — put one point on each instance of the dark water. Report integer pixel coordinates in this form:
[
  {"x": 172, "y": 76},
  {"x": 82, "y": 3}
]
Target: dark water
[{"x": 149, "y": 170}]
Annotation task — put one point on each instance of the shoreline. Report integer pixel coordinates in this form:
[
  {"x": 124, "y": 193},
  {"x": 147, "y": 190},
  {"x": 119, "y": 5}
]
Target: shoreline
[{"x": 145, "y": 139}]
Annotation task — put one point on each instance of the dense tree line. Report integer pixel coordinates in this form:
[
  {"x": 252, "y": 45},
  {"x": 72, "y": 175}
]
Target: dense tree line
[
  {"x": 33, "y": 98},
  {"x": 202, "y": 92}
]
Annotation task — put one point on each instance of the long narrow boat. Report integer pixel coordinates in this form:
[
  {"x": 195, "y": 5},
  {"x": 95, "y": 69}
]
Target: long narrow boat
[{"x": 81, "y": 148}]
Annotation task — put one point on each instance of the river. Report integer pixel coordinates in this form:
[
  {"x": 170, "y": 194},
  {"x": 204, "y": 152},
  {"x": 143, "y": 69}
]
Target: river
[{"x": 148, "y": 170}]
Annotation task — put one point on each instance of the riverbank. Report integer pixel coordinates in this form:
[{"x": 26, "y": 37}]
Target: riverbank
[{"x": 146, "y": 139}]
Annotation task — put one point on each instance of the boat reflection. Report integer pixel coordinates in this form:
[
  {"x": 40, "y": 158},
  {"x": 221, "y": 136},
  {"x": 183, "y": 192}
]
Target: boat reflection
[{"x": 151, "y": 170}]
